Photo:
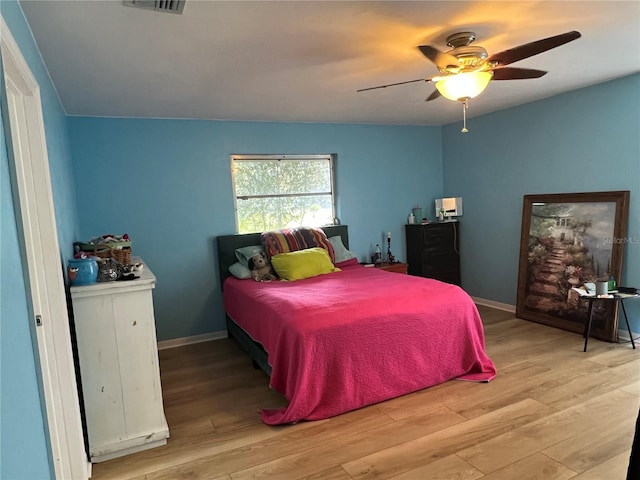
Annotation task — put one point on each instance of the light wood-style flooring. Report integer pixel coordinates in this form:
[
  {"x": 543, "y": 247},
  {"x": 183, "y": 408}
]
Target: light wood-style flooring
[{"x": 552, "y": 413}]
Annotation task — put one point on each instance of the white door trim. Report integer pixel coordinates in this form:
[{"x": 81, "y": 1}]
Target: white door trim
[{"x": 31, "y": 181}]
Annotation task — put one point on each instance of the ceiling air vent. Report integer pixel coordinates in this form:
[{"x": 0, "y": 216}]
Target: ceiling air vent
[{"x": 168, "y": 6}]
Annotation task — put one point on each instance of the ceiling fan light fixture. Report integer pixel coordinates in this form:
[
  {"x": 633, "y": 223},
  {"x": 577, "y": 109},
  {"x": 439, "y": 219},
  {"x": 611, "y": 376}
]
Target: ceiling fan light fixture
[{"x": 463, "y": 85}]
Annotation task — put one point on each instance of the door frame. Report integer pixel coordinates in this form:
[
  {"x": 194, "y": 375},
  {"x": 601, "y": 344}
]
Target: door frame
[{"x": 35, "y": 218}]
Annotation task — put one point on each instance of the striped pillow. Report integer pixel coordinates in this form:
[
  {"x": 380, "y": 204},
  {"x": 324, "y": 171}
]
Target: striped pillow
[{"x": 289, "y": 240}]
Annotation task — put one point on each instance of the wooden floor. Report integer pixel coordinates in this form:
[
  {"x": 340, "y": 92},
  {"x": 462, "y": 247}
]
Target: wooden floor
[{"x": 553, "y": 412}]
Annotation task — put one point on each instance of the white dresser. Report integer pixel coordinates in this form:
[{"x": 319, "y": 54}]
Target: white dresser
[{"x": 118, "y": 354}]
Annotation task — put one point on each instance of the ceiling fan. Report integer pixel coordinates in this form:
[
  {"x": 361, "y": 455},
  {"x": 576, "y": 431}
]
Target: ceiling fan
[{"x": 466, "y": 70}]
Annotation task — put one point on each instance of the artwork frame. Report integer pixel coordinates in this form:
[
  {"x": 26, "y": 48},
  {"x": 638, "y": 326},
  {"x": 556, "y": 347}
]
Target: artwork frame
[{"x": 568, "y": 239}]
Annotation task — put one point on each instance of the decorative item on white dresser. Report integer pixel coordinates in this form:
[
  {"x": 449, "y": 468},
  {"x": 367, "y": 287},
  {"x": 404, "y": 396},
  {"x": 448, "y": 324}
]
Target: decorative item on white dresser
[{"x": 118, "y": 355}]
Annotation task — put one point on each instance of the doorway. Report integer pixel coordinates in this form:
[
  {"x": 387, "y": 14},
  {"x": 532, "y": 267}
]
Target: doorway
[{"x": 33, "y": 199}]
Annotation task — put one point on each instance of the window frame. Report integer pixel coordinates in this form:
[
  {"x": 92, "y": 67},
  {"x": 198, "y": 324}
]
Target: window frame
[{"x": 283, "y": 157}]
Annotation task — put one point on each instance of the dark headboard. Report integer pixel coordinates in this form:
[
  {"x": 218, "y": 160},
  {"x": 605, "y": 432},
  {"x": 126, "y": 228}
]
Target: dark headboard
[{"x": 227, "y": 245}]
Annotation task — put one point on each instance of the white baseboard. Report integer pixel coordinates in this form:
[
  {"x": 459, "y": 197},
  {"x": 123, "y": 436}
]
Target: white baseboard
[
  {"x": 179, "y": 342},
  {"x": 497, "y": 305},
  {"x": 623, "y": 336}
]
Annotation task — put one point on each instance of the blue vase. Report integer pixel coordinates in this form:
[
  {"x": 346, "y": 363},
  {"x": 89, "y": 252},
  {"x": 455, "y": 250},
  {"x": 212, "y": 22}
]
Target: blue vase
[{"x": 82, "y": 271}]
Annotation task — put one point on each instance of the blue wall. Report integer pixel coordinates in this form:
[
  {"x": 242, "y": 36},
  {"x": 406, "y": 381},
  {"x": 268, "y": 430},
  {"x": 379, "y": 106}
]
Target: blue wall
[
  {"x": 582, "y": 141},
  {"x": 168, "y": 184},
  {"x": 24, "y": 440}
]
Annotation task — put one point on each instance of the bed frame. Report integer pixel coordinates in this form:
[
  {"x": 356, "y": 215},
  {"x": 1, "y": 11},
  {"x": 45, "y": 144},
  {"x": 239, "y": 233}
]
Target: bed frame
[{"x": 227, "y": 245}]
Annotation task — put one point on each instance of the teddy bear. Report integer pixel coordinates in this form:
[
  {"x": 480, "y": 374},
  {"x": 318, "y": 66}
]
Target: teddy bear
[{"x": 261, "y": 270}]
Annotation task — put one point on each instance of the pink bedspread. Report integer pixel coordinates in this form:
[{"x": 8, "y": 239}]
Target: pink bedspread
[{"x": 341, "y": 341}]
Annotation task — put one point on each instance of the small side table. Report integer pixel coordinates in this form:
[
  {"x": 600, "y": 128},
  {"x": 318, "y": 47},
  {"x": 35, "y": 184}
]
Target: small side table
[
  {"x": 616, "y": 297},
  {"x": 397, "y": 267}
]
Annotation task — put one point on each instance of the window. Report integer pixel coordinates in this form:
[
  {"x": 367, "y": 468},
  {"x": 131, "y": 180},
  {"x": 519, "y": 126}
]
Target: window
[{"x": 282, "y": 191}]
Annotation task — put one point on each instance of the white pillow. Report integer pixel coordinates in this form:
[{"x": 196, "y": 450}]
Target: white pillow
[
  {"x": 341, "y": 252},
  {"x": 245, "y": 253},
  {"x": 240, "y": 271}
]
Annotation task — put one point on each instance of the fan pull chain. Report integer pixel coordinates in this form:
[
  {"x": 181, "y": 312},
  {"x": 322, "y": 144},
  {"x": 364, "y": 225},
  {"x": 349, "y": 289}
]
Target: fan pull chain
[{"x": 465, "y": 105}]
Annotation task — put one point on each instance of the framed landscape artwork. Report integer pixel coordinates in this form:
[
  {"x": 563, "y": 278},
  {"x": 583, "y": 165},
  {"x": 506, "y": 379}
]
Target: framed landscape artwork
[{"x": 567, "y": 240}]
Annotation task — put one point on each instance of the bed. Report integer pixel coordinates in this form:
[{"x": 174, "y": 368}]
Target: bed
[{"x": 340, "y": 341}]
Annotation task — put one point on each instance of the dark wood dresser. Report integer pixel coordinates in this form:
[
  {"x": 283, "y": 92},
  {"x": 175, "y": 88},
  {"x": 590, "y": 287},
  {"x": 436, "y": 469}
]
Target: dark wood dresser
[{"x": 433, "y": 251}]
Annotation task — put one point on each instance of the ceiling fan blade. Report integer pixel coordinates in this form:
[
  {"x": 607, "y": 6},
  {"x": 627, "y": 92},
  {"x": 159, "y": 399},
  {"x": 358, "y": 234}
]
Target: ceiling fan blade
[
  {"x": 510, "y": 73},
  {"x": 441, "y": 59},
  {"x": 534, "y": 48},
  {"x": 394, "y": 84},
  {"x": 433, "y": 96}
]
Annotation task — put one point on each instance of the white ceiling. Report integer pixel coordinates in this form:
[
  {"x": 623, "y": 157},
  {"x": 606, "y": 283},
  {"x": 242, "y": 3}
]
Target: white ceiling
[{"x": 302, "y": 61}]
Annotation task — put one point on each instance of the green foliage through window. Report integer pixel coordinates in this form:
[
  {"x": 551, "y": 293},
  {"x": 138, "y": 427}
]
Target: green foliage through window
[{"x": 283, "y": 191}]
